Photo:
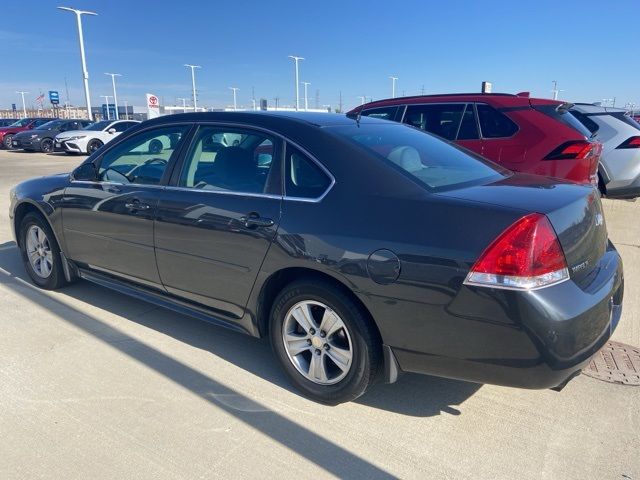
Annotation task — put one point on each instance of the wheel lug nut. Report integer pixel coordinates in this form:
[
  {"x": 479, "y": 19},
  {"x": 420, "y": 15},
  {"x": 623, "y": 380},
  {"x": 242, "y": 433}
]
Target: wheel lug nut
[
  {"x": 312, "y": 331},
  {"x": 318, "y": 351},
  {"x": 326, "y": 346},
  {"x": 308, "y": 342},
  {"x": 323, "y": 334}
]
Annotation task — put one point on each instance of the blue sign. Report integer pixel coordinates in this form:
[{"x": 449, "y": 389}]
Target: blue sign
[
  {"x": 13, "y": 107},
  {"x": 109, "y": 114},
  {"x": 54, "y": 97}
]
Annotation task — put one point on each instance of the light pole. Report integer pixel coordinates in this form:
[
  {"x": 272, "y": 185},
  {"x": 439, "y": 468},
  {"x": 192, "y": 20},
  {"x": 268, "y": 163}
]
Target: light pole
[
  {"x": 363, "y": 99},
  {"x": 306, "y": 98},
  {"x": 126, "y": 110},
  {"x": 193, "y": 84},
  {"x": 24, "y": 106},
  {"x": 184, "y": 104},
  {"x": 235, "y": 89},
  {"x": 296, "y": 60},
  {"x": 115, "y": 96},
  {"x": 106, "y": 98},
  {"x": 85, "y": 73},
  {"x": 393, "y": 86}
]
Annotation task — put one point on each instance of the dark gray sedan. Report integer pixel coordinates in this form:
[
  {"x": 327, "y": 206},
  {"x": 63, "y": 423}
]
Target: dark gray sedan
[
  {"x": 362, "y": 248},
  {"x": 40, "y": 139}
]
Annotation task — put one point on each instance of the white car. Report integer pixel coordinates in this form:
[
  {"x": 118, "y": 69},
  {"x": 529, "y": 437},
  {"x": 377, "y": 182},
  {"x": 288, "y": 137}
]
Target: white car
[
  {"x": 619, "y": 168},
  {"x": 89, "y": 139}
]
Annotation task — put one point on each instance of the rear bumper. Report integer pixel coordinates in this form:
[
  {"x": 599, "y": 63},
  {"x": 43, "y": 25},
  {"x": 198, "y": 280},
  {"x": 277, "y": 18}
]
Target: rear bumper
[
  {"x": 624, "y": 190},
  {"x": 536, "y": 339}
]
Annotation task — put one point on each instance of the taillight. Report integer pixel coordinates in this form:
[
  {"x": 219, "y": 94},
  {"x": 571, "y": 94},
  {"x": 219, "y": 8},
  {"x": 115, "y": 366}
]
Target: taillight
[
  {"x": 526, "y": 256},
  {"x": 574, "y": 150},
  {"x": 633, "y": 142}
]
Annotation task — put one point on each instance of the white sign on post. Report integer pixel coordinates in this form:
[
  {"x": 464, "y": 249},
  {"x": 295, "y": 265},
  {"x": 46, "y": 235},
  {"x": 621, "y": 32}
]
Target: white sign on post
[{"x": 153, "y": 106}]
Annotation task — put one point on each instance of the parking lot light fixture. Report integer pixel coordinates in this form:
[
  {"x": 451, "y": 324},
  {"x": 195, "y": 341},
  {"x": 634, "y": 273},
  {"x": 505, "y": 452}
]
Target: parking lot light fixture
[
  {"x": 306, "y": 97},
  {"x": 363, "y": 99},
  {"x": 24, "y": 106},
  {"x": 393, "y": 86},
  {"x": 193, "y": 84},
  {"x": 296, "y": 60},
  {"x": 115, "y": 95},
  {"x": 106, "y": 98},
  {"x": 235, "y": 105},
  {"x": 85, "y": 73}
]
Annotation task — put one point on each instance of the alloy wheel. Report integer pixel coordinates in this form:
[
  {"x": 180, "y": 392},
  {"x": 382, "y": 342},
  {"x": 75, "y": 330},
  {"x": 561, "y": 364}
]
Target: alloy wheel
[
  {"x": 317, "y": 342},
  {"x": 39, "y": 251}
]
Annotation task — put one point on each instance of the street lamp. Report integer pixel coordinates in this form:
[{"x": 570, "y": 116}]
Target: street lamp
[
  {"x": 296, "y": 60},
  {"x": 306, "y": 98},
  {"x": 106, "y": 98},
  {"x": 184, "y": 104},
  {"x": 393, "y": 86},
  {"x": 85, "y": 73},
  {"x": 235, "y": 89},
  {"x": 363, "y": 99},
  {"x": 126, "y": 110},
  {"x": 24, "y": 106},
  {"x": 115, "y": 96},
  {"x": 193, "y": 84}
]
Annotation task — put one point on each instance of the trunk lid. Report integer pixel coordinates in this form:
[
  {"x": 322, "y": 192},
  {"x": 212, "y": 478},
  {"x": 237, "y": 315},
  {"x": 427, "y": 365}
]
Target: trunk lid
[{"x": 575, "y": 212}]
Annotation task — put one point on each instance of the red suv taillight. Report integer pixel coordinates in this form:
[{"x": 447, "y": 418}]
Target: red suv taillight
[
  {"x": 526, "y": 256},
  {"x": 573, "y": 150},
  {"x": 633, "y": 142}
]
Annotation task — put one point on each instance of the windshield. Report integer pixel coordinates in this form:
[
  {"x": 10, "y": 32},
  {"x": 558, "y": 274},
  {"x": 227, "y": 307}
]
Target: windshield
[
  {"x": 436, "y": 164},
  {"x": 50, "y": 125},
  {"x": 98, "y": 126},
  {"x": 21, "y": 123}
]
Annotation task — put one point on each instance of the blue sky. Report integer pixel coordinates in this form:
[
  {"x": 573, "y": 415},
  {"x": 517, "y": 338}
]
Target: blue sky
[{"x": 589, "y": 47}]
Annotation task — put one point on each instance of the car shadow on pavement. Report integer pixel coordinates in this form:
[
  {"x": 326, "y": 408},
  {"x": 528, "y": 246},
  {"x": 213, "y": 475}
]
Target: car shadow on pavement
[{"x": 412, "y": 395}]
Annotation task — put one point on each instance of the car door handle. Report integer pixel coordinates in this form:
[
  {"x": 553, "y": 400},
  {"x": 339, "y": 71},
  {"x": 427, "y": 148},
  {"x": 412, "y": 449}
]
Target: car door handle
[
  {"x": 137, "y": 205},
  {"x": 253, "y": 220}
]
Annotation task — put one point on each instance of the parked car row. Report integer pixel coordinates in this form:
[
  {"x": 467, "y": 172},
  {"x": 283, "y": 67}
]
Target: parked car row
[
  {"x": 360, "y": 247},
  {"x": 532, "y": 135},
  {"x": 70, "y": 136}
]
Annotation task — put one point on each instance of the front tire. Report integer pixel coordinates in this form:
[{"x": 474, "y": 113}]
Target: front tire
[
  {"x": 46, "y": 145},
  {"x": 7, "y": 141},
  {"x": 41, "y": 253},
  {"x": 93, "y": 146},
  {"x": 324, "y": 342}
]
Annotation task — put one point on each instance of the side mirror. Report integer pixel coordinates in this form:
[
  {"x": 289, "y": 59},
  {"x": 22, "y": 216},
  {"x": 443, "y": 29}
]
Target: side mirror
[
  {"x": 111, "y": 131},
  {"x": 87, "y": 172}
]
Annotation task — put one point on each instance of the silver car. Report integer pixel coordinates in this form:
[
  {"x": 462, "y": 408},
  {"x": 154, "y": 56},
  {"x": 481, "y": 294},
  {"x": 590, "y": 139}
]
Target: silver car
[{"x": 619, "y": 169}]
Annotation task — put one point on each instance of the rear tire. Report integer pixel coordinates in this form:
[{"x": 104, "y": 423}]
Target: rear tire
[
  {"x": 334, "y": 357},
  {"x": 41, "y": 252}
]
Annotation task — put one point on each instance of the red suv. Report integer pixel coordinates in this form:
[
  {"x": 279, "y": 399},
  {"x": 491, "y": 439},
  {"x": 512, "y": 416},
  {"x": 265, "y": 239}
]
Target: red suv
[
  {"x": 524, "y": 134},
  {"x": 7, "y": 133}
]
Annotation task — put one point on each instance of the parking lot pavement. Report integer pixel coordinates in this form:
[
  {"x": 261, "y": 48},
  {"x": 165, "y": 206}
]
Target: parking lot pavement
[{"x": 94, "y": 384}]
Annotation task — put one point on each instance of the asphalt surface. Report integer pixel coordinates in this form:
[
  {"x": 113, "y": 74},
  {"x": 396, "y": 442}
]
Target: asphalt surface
[{"x": 94, "y": 384}]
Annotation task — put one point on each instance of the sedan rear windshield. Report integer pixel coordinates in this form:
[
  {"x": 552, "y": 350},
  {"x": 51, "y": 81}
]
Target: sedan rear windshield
[{"x": 436, "y": 164}]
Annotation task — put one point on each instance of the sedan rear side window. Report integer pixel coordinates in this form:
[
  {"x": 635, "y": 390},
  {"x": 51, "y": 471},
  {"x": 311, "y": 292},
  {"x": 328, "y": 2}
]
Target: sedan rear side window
[
  {"x": 304, "y": 178},
  {"x": 435, "y": 164},
  {"x": 494, "y": 124},
  {"x": 234, "y": 160},
  {"x": 442, "y": 119}
]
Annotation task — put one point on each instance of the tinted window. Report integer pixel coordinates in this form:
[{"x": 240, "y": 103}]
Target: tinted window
[
  {"x": 626, "y": 119},
  {"x": 586, "y": 121},
  {"x": 563, "y": 115},
  {"x": 99, "y": 126},
  {"x": 49, "y": 125},
  {"x": 435, "y": 164},
  {"x": 303, "y": 177},
  {"x": 440, "y": 119},
  {"x": 468, "y": 126},
  {"x": 224, "y": 159},
  {"x": 39, "y": 122},
  {"x": 494, "y": 124},
  {"x": 385, "y": 113},
  {"x": 141, "y": 158},
  {"x": 121, "y": 126}
]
